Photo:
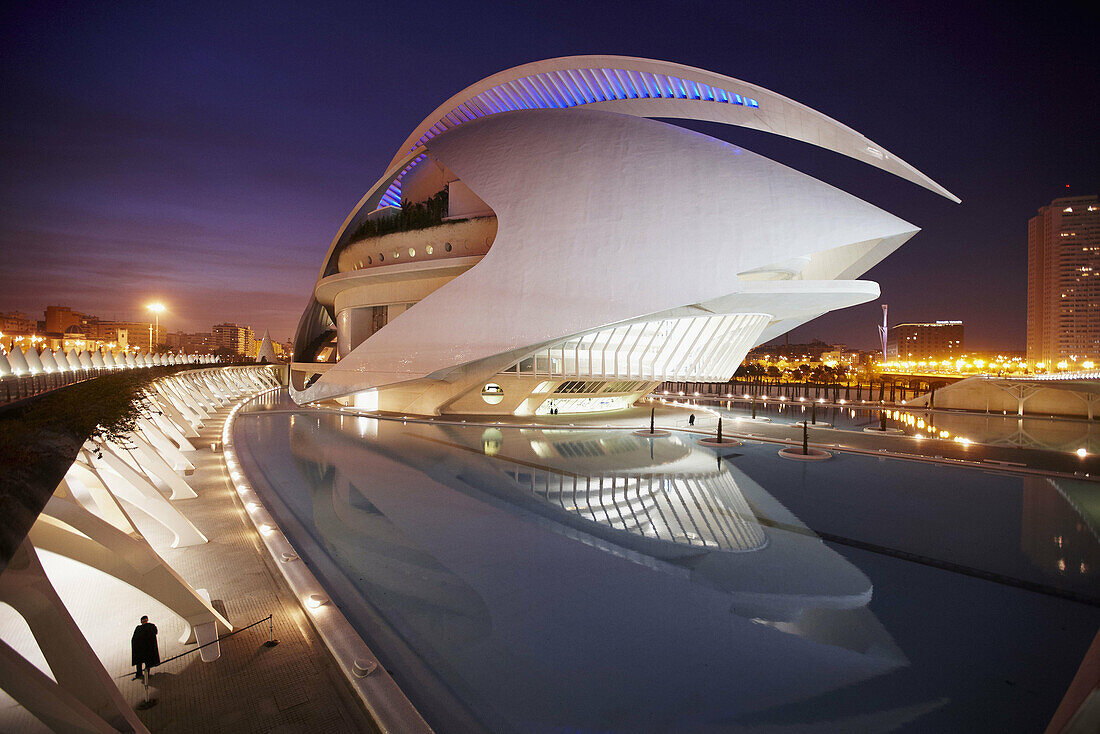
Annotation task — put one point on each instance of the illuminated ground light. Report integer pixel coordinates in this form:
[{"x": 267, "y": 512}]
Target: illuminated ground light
[{"x": 1082, "y": 453}]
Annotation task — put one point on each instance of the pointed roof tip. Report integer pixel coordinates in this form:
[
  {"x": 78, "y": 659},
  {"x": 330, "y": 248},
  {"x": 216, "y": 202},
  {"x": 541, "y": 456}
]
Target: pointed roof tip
[{"x": 266, "y": 352}]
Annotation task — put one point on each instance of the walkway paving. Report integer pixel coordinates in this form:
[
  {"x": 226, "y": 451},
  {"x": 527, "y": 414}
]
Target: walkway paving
[{"x": 292, "y": 687}]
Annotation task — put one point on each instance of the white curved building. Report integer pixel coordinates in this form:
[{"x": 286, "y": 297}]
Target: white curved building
[{"x": 538, "y": 243}]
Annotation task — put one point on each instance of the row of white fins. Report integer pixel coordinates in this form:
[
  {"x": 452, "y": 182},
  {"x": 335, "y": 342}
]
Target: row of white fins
[
  {"x": 88, "y": 520},
  {"x": 153, "y": 458},
  {"x": 32, "y": 362}
]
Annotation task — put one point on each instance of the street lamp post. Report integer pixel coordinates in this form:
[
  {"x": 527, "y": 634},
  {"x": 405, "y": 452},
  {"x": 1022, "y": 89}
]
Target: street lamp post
[{"x": 156, "y": 308}]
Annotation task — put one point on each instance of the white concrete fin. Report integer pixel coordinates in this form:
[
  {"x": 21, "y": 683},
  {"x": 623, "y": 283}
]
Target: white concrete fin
[
  {"x": 48, "y": 702},
  {"x": 128, "y": 485},
  {"x": 172, "y": 432},
  {"x": 17, "y": 362},
  {"x": 123, "y": 453},
  {"x": 155, "y": 464},
  {"x": 164, "y": 446},
  {"x": 173, "y": 391},
  {"x": 185, "y": 425},
  {"x": 48, "y": 364},
  {"x": 34, "y": 364},
  {"x": 89, "y": 490},
  {"x": 127, "y": 557},
  {"x": 61, "y": 360},
  {"x": 25, "y": 586}
]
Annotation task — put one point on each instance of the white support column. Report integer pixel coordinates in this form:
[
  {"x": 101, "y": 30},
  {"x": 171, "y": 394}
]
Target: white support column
[
  {"x": 186, "y": 427},
  {"x": 210, "y": 383},
  {"x": 165, "y": 447},
  {"x": 185, "y": 402},
  {"x": 126, "y": 484},
  {"x": 160, "y": 396},
  {"x": 170, "y": 430},
  {"x": 74, "y": 664},
  {"x": 48, "y": 702},
  {"x": 192, "y": 396},
  {"x": 156, "y": 467},
  {"x": 129, "y": 558},
  {"x": 90, "y": 491}
]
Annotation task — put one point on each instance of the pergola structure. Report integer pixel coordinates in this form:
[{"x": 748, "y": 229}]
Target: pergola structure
[{"x": 87, "y": 519}]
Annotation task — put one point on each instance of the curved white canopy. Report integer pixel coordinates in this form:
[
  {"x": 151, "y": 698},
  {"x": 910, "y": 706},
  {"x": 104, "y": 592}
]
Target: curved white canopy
[{"x": 650, "y": 88}]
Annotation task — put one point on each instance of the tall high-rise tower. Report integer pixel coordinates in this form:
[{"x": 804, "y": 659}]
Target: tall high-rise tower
[{"x": 1063, "y": 282}]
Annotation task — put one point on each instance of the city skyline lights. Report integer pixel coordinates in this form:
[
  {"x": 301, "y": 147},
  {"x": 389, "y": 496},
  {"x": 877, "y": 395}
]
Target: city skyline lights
[{"x": 205, "y": 164}]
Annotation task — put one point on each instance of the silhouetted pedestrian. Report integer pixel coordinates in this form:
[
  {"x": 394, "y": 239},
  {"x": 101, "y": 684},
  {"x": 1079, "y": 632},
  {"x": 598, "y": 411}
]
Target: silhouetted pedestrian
[
  {"x": 691, "y": 419},
  {"x": 143, "y": 646}
]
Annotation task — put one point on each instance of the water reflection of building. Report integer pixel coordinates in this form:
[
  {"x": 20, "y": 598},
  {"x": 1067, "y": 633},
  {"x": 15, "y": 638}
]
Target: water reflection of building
[
  {"x": 669, "y": 505},
  {"x": 467, "y": 542},
  {"x": 700, "y": 510},
  {"x": 1055, "y": 540},
  {"x": 999, "y": 429}
]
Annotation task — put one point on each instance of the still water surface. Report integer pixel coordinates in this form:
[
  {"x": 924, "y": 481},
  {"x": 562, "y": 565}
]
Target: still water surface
[
  {"x": 994, "y": 429},
  {"x": 519, "y": 580}
]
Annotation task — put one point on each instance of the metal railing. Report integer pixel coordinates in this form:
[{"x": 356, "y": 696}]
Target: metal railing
[{"x": 18, "y": 387}]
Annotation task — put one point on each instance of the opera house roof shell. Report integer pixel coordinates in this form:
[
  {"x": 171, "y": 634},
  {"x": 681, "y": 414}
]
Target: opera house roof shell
[{"x": 581, "y": 242}]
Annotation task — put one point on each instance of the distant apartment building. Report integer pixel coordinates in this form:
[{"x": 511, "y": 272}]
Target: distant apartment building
[
  {"x": 933, "y": 341},
  {"x": 1063, "y": 282},
  {"x": 60, "y": 319},
  {"x": 64, "y": 321},
  {"x": 197, "y": 343},
  {"x": 810, "y": 352},
  {"x": 235, "y": 338},
  {"x": 17, "y": 322}
]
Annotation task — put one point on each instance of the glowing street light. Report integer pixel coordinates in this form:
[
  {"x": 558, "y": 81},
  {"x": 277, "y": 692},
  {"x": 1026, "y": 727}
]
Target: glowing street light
[{"x": 157, "y": 309}]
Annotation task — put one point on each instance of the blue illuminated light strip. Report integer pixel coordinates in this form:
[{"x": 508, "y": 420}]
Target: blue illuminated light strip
[
  {"x": 392, "y": 197},
  {"x": 569, "y": 88}
]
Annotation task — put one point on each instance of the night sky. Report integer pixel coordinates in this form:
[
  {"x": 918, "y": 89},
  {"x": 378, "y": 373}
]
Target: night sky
[{"x": 205, "y": 156}]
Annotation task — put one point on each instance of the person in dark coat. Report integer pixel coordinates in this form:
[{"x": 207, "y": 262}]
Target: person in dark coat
[
  {"x": 691, "y": 419},
  {"x": 143, "y": 646}
]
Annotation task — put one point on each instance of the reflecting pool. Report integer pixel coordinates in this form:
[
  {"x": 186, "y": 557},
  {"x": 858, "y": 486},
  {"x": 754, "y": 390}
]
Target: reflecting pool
[
  {"x": 994, "y": 429},
  {"x": 573, "y": 580}
]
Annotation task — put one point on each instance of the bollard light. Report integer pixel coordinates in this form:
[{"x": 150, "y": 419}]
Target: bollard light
[
  {"x": 364, "y": 667},
  {"x": 1082, "y": 453}
]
